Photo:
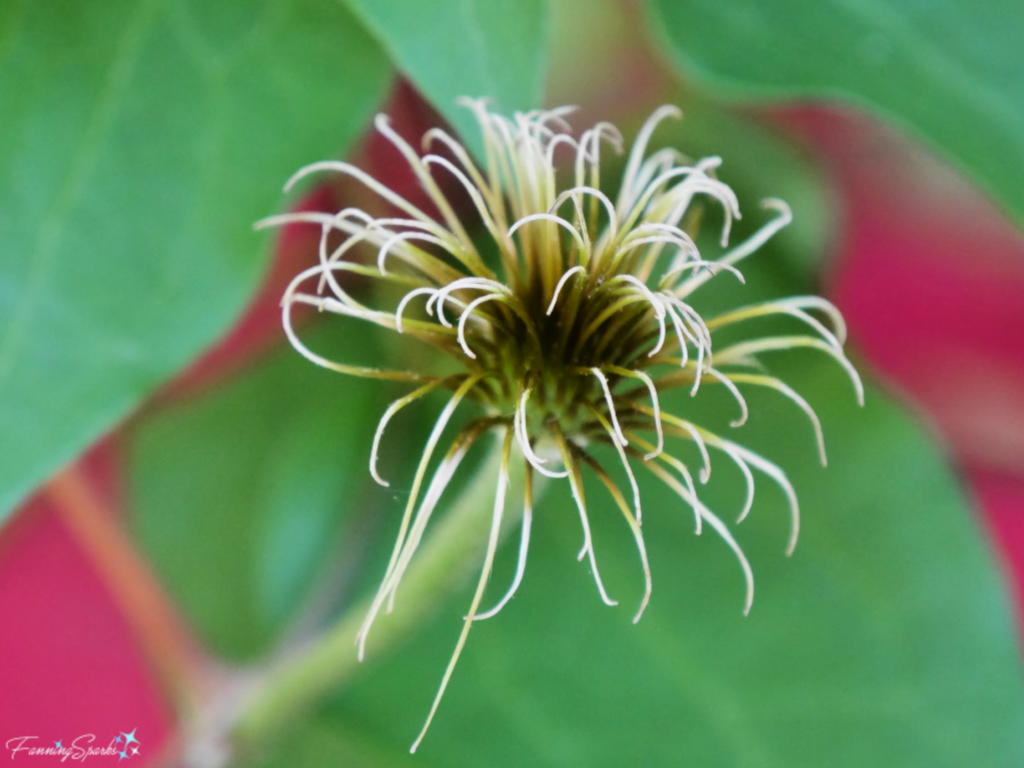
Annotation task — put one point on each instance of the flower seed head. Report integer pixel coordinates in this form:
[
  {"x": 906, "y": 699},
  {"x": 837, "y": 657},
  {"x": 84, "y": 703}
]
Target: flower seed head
[{"x": 567, "y": 320}]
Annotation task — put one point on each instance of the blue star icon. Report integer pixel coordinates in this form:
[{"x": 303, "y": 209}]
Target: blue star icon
[
  {"x": 123, "y": 756},
  {"x": 117, "y": 740},
  {"x": 129, "y": 738},
  {"x": 59, "y": 744}
]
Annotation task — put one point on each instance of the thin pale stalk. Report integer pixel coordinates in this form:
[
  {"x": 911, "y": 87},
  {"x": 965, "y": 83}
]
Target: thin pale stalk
[{"x": 301, "y": 679}]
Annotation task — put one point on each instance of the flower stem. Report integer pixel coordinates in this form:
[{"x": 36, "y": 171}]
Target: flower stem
[
  {"x": 151, "y": 616},
  {"x": 440, "y": 565}
]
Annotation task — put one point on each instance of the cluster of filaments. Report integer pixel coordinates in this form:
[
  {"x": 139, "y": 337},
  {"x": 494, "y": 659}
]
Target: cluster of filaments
[{"x": 567, "y": 338}]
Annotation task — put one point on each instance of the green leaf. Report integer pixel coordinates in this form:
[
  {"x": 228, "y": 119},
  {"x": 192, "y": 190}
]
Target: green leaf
[
  {"x": 476, "y": 48},
  {"x": 240, "y": 497},
  {"x": 139, "y": 142},
  {"x": 321, "y": 741},
  {"x": 950, "y": 72},
  {"x": 885, "y": 640}
]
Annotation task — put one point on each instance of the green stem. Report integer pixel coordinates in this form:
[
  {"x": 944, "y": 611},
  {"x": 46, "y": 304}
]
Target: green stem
[{"x": 441, "y": 564}]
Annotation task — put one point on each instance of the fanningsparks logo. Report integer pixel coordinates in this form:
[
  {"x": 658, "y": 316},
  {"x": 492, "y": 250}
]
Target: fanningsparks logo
[{"x": 124, "y": 746}]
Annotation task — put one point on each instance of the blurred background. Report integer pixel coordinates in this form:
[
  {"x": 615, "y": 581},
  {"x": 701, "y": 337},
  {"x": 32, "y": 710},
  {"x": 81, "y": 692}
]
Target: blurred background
[{"x": 187, "y": 501}]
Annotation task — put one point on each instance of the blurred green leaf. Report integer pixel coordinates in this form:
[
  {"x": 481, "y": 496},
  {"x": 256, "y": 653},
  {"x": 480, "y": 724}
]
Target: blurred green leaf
[
  {"x": 476, "y": 48},
  {"x": 139, "y": 142},
  {"x": 321, "y": 742},
  {"x": 240, "y": 496},
  {"x": 885, "y": 640},
  {"x": 949, "y": 71}
]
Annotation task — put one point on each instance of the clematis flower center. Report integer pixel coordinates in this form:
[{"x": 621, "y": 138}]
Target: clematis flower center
[{"x": 571, "y": 337}]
